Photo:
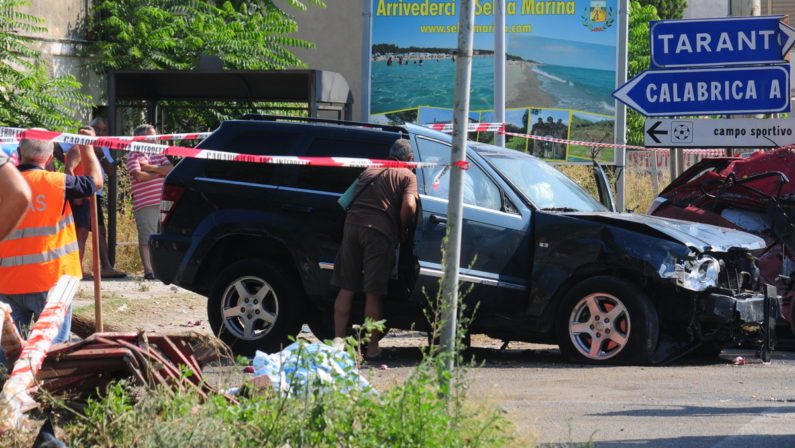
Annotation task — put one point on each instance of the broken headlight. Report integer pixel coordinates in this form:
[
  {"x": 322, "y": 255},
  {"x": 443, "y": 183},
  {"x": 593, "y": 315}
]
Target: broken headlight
[{"x": 699, "y": 274}]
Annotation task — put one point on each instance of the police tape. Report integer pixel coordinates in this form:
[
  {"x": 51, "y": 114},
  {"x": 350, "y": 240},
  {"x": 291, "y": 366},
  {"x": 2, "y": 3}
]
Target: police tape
[
  {"x": 471, "y": 127},
  {"x": 707, "y": 152},
  {"x": 15, "y": 397},
  {"x": 573, "y": 142},
  {"x": 209, "y": 154},
  {"x": 183, "y": 136}
]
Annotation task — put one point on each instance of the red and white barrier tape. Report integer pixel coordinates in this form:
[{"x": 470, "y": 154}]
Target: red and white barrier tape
[
  {"x": 471, "y": 127},
  {"x": 184, "y": 136},
  {"x": 573, "y": 142},
  {"x": 182, "y": 151},
  {"x": 15, "y": 398},
  {"x": 717, "y": 151}
]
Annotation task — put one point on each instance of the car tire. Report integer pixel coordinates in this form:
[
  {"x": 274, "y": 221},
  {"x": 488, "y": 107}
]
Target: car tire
[
  {"x": 604, "y": 320},
  {"x": 254, "y": 305}
]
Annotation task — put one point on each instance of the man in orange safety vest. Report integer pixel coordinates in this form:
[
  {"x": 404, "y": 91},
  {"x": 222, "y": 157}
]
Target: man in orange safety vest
[{"x": 43, "y": 247}]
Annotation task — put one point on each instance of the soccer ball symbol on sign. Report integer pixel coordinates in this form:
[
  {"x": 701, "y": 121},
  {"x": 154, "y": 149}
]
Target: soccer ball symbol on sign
[{"x": 682, "y": 132}]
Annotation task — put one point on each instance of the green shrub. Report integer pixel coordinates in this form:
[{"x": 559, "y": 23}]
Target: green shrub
[{"x": 413, "y": 414}]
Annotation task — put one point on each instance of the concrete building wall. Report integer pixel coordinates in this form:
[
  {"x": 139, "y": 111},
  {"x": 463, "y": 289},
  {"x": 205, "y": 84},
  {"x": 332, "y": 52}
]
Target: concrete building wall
[
  {"x": 701, "y": 9},
  {"x": 63, "y": 43},
  {"x": 336, "y": 32}
]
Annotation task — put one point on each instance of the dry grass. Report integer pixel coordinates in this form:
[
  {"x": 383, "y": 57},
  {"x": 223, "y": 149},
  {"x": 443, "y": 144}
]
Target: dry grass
[
  {"x": 127, "y": 257},
  {"x": 638, "y": 191}
]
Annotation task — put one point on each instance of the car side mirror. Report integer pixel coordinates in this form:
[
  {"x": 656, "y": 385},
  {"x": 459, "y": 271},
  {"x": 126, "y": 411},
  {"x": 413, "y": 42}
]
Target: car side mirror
[{"x": 603, "y": 186}]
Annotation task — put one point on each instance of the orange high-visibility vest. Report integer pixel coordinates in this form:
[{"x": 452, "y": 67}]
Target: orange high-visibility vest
[{"x": 44, "y": 245}]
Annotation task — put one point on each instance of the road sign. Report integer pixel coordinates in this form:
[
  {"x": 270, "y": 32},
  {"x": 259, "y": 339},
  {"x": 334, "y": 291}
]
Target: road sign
[
  {"x": 725, "y": 41},
  {"x": 708, "y": 91},
  {"x": 720, "y": 133}
]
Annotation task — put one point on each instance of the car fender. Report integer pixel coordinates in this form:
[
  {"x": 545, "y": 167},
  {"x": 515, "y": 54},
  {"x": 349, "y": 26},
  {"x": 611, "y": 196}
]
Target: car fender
[{"x": 568, "y": 250}]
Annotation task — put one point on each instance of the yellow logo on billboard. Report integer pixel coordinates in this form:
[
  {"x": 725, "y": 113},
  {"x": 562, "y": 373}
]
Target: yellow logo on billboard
[{"x": 598, "y": 16}]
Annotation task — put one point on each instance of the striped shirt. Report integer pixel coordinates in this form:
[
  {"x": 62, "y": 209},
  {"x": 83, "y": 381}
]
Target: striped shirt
[{"x": 147, "y": 192}]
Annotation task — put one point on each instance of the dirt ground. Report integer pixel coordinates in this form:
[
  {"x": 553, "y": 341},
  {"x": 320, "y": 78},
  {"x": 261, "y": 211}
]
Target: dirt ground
[
  {"x": 133, "y": 304},
  {"x": 718, "y": 403}
]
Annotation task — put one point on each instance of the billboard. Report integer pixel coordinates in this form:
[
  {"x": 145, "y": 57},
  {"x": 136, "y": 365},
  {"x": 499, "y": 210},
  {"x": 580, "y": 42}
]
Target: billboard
[{"x": 560, "y": 69}]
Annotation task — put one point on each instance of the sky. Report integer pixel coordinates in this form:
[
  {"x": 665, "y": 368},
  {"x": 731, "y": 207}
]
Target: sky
[{"x": 406, "y": 31}]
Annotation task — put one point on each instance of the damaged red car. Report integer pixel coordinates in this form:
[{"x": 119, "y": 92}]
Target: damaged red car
[{"x": 753, "y": 193}]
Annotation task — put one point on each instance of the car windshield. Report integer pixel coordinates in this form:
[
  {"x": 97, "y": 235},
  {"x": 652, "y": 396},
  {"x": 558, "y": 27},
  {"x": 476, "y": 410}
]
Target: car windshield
[{"x": 543, "y": 185}]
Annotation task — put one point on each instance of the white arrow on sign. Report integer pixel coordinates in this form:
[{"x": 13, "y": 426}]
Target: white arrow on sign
[
  {"x": 719, "y": 133},
  {"x": 788, "y": 31}
]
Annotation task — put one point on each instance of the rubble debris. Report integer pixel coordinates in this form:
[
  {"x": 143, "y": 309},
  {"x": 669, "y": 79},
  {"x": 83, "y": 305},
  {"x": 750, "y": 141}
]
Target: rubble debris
[{"x": 150, "y": 359}]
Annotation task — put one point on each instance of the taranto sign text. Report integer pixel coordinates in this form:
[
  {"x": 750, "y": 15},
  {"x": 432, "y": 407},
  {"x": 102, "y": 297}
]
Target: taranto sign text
[{"x": 726, "y": 41}]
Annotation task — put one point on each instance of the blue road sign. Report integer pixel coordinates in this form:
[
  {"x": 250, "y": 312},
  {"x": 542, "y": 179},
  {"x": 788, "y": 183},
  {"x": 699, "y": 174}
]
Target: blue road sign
[
  {"x": 725, "y": 41},
  {"x": 708, "y": 91}
]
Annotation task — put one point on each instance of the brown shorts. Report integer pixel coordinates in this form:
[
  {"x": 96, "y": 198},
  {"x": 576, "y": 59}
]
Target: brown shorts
[{"x": 364, "y": 260}]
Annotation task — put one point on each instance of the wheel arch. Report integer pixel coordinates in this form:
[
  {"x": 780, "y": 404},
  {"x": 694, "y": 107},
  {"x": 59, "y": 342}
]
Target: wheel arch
[
  {"x": 590, "y": 270},
  {"x": 232, "y": 248}
]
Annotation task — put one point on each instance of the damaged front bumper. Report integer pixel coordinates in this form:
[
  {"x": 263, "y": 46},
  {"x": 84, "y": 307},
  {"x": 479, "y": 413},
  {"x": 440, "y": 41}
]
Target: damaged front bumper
[{"x": 744, "y": 308}]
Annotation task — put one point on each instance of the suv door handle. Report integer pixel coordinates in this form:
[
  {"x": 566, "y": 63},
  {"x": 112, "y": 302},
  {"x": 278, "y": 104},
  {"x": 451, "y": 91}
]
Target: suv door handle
[
  {"x": 437, "y": 219},
  {"x": 296, "y": 208}
]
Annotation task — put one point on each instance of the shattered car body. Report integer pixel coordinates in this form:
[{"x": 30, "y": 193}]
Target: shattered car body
[
  {"x": 753, "y": 194},
  {"x": 541, "y": 260}
]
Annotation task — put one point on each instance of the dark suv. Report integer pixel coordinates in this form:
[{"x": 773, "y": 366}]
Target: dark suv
[{"x": 547, "y": 262}]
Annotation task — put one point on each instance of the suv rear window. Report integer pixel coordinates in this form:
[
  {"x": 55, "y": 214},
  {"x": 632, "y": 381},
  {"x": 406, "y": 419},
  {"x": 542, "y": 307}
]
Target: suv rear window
[
  {"x": 336, "y": 179},
  {"x": 258, "y": 143}
]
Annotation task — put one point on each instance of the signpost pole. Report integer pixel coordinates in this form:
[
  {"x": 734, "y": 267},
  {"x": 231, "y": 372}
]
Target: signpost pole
[
  {"x": 621, "y": 110},
  {"x": 499, "y": 68},
  {"x": 452, "y": 251},
  {"x": 367, "y": 50}
]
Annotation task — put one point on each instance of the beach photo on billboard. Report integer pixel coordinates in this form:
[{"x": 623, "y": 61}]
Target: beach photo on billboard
[
  {"x": 588, "y": 127},
  {"x": 515, "y": 122},
  {"x": 560, "y": 73}
]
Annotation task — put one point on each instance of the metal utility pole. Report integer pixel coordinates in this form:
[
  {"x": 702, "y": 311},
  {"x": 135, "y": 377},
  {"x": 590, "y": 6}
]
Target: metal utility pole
[
  {"x": 452, "y": 260},
  {"x": 499, "y": 68},
  {"x": 367, "y": 50},
  {"x": 621, "y": 109}
]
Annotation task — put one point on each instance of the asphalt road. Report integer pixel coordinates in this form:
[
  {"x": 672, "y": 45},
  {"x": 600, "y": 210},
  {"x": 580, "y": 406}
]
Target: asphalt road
[{"x": 686, "y": 405}]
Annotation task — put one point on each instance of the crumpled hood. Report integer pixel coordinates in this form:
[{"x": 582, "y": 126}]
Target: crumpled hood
[{"x": 703, "y": 237}]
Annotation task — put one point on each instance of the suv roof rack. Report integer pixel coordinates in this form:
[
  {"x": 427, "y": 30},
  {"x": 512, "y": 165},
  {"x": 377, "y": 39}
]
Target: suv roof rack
[{"x": 385, "y": 127}]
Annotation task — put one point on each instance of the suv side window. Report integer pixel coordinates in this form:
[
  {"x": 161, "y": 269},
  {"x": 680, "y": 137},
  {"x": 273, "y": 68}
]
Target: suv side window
[
  {"x": 252, "y": 143},
  {"x": 479, "y": 189},
  {"x": 336, "y": 179}
]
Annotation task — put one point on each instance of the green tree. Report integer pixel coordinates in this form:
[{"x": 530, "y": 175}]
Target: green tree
[
  {"x": 638, "y": 57},
  {"x": 29, "y": 97},
  {"x": 173, "y": 34},
  {"x": 667, "y": 9}
]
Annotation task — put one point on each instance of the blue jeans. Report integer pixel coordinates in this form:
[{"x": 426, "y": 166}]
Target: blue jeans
[{"x": 25, "y": 307}]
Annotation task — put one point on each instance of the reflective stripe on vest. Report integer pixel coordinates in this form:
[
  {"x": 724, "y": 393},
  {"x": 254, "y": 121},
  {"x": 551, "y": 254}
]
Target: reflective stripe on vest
[
  {"x": 41, "y": 231},
  {"x": 44, "y": 245},
  {"x": 21, "y": 260}
]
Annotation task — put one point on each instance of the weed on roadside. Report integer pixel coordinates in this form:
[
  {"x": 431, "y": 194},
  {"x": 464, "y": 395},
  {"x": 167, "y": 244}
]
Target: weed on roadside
[{"x": 333, "y": 414}]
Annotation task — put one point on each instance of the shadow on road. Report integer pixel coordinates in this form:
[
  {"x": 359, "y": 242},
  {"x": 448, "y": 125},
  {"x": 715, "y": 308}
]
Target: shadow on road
[{"x": 755, "y": 440}]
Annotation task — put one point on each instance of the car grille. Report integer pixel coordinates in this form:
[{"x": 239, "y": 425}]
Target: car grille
[{"x": 738, "y": 272}]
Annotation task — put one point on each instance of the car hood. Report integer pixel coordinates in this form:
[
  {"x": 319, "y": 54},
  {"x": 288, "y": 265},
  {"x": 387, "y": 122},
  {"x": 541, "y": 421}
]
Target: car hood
[{"x": 703, "y": 237}]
